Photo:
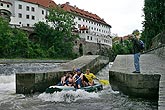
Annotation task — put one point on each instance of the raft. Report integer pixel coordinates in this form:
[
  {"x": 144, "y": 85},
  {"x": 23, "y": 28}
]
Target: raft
[{"x": 94, "y": 88}]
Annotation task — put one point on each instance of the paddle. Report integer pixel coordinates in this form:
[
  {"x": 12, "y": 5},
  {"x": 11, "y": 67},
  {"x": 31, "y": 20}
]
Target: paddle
[{"x": 104, "y": 82}]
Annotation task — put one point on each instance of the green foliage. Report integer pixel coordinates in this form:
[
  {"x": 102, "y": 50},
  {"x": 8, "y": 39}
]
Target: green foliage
[
  {"x": 49, "y": 41},
  {"x": 57, "y": 39},
  {"x": 154, "y": 11},
  {"x": 124, "y": 47},
  {"x": 13, "y": 42}
]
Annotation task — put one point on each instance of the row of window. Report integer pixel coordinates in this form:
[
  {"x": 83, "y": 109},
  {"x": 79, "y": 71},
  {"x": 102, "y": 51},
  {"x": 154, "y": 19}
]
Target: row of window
[
  {"x": 84, "y": 20},
  {"x": 7, "y": 5},
  {"x": 28, "y": 8},
  {"x": 90, "y": 38},
  {"x": 28, "y": 25},
  {"x": 92, "y": 28},
  {"x": 27, "y": 16}
]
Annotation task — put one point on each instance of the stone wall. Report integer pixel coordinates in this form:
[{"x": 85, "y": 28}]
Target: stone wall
[
  {"x": 158, "y": 40},
  {"x": 144, "y": 84},
  {"x": 160, "y": 51},
  {"x": 136, "y": 85},
  {"x": 158, "y": 45},
  {"x": 90, "y": 48}
]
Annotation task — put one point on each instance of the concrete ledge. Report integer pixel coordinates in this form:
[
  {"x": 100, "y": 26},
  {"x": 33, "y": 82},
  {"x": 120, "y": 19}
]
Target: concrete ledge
[
  {"x": 136, "y": 85},
  {"x": 31, "y": 82},
  {"x": 144, "y": 85}
]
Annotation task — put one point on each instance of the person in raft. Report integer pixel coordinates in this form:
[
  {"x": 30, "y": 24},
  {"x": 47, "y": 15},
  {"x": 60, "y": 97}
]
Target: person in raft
[
  {"x": 77, "y": 79},
  {"x": 66, "y": 80},
  {"x": 90, "y": 76}
]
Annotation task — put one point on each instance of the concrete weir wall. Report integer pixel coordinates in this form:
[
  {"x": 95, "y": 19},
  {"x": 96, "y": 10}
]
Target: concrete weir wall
[
  {"x": 136, "y": 85},
  {"x": 38, "y": 81},
  {"x": 143, "y": 85}
]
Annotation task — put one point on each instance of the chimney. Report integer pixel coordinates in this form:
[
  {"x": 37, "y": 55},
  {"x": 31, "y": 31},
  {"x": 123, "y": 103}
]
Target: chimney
[{"x": 67, "y": 3}]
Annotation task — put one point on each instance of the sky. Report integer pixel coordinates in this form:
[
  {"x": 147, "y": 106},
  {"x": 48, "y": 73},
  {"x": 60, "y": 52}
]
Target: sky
[{"x": 123, "y": 15}]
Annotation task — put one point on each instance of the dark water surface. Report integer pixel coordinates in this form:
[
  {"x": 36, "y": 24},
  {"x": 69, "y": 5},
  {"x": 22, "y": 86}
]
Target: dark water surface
[{"x": 71, "y": 100}]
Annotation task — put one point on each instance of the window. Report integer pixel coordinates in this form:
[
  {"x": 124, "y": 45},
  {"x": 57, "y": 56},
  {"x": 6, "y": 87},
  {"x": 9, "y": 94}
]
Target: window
[
  {"x": 27, "y": 17},
  {"x": 87, "y": 37},
  {"x": 27, "y": 8},
  {"x": 8, "y": 6},
  {"x": 33, "y": 9},
  {"x": 1, "y": 4},
  {"x": 91, "y": 38},
  {"x": 79, "y": 25},
  {"x": 19, "y": 6},
  {"x": 43, "y": 12},
  {"x": 19, "y": 15},
  {"x": 79, "y": 18},
  {"x": 28, "y": 25},
  {"x": 33, "y": 17}
]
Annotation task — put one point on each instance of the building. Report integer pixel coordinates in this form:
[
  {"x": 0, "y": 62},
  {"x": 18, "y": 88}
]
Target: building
[
  {"x": 93, "y": 31},
  {"x": 25, "y": 13},
  {"x": 6, "y": 9}
]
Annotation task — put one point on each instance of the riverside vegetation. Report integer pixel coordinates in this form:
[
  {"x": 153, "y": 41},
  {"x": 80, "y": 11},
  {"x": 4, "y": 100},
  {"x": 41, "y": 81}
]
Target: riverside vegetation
[{"x": 46, "y": 42}]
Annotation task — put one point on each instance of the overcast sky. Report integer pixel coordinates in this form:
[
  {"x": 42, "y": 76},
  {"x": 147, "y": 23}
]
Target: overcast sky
[{"x": 123, "y": 15}]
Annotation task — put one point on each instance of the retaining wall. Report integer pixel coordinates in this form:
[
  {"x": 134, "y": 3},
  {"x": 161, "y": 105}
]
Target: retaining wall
[
  {"x": 136, "y": 85},
  {"x": 143, "y": 85}
]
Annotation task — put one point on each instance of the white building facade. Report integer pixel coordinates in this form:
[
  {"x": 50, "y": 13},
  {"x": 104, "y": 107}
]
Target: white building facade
[
  {"x": 95, "y": 32},
  {"x": 90, "y": 26},
  {"x": 25, "y": 13}
]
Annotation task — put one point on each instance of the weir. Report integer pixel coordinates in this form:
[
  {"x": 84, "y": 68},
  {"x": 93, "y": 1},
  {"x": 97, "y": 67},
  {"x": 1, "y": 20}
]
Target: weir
[
  {"x": 144, "y": 85},
  {"x": 38, "y": 81},
  {"x": 149, "y": 83}
]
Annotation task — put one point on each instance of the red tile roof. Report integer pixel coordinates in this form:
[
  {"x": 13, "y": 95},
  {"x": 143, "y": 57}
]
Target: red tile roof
[
  {"x": 83, "y": 13},
  {"x": 44, "y": 3}
]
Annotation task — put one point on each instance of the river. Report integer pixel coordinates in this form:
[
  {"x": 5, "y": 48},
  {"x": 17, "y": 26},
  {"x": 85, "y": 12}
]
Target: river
[{"x": 71, "y": 100}]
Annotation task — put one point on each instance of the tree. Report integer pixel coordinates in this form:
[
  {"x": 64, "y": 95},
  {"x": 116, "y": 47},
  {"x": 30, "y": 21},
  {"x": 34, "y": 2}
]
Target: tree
[
  {"x": 56, "y": 38},
  {"x": 13, "y": 42},
  {"x": 154, "y": 12}
]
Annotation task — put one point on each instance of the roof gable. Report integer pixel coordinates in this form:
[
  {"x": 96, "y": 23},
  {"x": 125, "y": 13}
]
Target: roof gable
[{"x": 44, "y": 3}]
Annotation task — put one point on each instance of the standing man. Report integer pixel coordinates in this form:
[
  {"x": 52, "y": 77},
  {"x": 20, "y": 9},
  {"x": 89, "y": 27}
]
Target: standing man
[{"x": 136, "y": 50}]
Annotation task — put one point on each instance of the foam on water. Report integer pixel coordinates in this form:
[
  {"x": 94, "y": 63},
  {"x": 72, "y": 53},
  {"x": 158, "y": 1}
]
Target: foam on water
[
  {"x": 67, "y": 96},
  {"x": 7, "y": 83}
]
